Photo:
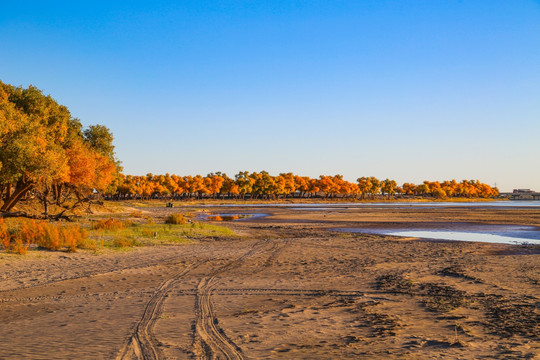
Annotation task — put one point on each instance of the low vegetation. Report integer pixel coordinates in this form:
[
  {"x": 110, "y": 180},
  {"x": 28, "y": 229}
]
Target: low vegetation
[
  {"x": 176, "y": 229},
  {"x": 176, "y": 219},
  {"x": 108, "y": 224},
  {"x": 18, "y": 235},
  {"x": 53, "y": 236}
]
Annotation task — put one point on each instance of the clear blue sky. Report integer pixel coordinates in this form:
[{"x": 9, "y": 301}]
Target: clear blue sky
[{"x": 409, "y": 90}]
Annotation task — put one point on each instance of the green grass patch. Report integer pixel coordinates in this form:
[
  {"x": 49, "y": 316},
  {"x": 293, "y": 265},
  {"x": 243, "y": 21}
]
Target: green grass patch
[{"x": 136, "y": 234}]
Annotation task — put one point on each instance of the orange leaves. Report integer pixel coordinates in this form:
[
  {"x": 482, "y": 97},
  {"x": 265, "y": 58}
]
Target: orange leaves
[
  {"x": 466, "y": 188},
  {"x": 5, "y": 237},
  {"x": 87, "y": 168},
  {"x": 176, "y": 219},
  {"x": 109, "y": 224},
  {"x": 213, "y": 184},
  {"x": 81, "y": 165},
  {"x": 43, "y": 147},
  {"x": 105, "y": 171},
  {"x": 263, "y": 185},
  {"x": 46, "y": 235}
]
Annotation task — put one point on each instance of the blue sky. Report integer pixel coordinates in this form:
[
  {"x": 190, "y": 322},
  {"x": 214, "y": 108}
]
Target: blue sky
[{"x": 409, "y": 90}]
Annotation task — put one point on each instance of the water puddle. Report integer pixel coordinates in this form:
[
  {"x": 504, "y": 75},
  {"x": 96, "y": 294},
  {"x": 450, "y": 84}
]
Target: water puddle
[
  {"x": 395, "y": 204},
  {"x": 501, "y": 234},
  {"x": 229, "y": 217}
]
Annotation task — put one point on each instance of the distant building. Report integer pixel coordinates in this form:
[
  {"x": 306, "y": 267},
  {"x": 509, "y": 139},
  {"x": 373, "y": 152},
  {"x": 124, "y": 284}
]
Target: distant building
[
  {"x": 523, "y": 191},
  {"x": 523, "y": 194}
]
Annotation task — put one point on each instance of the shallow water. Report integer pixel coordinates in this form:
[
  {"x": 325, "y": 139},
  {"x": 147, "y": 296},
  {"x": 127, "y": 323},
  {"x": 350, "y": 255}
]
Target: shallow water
[
  {"x": 329, "y": 205},
  {"x": 501, "y": 234},
  {"x": 229, "y": 217}
]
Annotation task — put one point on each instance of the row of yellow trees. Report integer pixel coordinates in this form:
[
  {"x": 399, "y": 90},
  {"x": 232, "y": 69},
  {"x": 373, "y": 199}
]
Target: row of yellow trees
[
  {"x": 262, "y": 185},
  {"x": 45, "y": 153}
]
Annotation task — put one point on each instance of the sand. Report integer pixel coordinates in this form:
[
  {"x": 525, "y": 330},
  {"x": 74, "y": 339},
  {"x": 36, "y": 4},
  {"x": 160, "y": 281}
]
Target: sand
[{"x": 286, "y": 288}]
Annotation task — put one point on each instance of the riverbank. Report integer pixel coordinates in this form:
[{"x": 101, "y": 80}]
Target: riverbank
[{"x": 284, "y": 287}]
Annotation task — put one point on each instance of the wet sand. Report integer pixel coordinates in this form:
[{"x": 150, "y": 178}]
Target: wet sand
[{"x": 286, "y": 288}]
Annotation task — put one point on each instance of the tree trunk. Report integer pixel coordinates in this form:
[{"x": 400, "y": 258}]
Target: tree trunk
[
  {"x": 20, "y": 190},
  {"x": 45, "y": 203},
  {"x": 8, "y": 192}
]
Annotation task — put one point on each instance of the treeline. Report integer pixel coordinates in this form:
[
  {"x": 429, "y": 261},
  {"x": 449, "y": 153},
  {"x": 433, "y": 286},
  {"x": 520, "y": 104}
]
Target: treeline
[
  {"x": 262, "y": 185},
  {"x": 46, "y": 154}
]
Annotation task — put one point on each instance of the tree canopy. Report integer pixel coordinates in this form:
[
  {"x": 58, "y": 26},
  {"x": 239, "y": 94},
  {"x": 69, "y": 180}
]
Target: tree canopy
[
  {"x": 43, "y": 150},
  {"x": 262, "y": 185}
]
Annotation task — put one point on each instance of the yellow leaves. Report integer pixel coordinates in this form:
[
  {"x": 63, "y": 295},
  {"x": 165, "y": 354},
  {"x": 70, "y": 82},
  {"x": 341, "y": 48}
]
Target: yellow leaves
[
  {"x": 105, "y": 171},
  {"x": 263, "y": 185},
  {"x": 235, "y": 190},
  {"x": 82, "y": 163},
  {"x": 88, "y": 168}
]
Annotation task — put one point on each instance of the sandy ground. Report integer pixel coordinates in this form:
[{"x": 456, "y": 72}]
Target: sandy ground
[{"x": 287, "y": 288}]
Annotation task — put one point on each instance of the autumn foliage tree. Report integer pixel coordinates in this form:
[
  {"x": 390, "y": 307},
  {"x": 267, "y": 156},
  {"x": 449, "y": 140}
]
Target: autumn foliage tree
[
  {"x": 44, "y": 153},
  {"x": 262, "y": 185}
]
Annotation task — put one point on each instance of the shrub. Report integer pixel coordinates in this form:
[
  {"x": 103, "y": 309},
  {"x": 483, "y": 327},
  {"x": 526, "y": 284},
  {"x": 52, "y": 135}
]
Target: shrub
[
  {"x": 109, "y": 224},
  {"x": 122, "y": 242},
  {"x": 136, "y": 213},
  {"x": 147, "y": 233},
  {"x": 18, "y": 246},
  {"x": 73, "y": 237},
  {"x": 175, "y": 219},
  {"x": 46, "y": 235},
  {"x": 32, "y": 231},
  {"x": 90, "y": 244},
  {"x": 5, "y": 237},
  {"x": 51, "y": 238}
]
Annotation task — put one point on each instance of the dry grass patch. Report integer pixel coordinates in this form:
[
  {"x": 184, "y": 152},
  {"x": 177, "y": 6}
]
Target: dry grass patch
[
  {"x": 109, "y": 224},
  {"x": 176, "y": 219},
  {"x": 19, "y": 235}
]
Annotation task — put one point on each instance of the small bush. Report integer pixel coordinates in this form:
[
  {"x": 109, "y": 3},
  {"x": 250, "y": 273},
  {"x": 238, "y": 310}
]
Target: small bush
[
  {"x": 147, "y": 233},
  {"x": 73, "y": 237},
  {"x": 109, "y": 224},
  {"x": 46, "y": 235},
  {"x": 51, "y": 238},
  {"x": 32, "y": 231},
  {"x": 176, "y": 219},
  {"x": 90, "y": 244},
  {"x": 18, "y": 246},
  {"x": 5, "y": 237},
  {"x": 136, "y": 214},
  {"x": 122, "y": 242}
]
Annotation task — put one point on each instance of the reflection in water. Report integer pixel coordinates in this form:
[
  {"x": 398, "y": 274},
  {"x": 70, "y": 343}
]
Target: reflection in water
[
  {"x": 229, "y": 217},
  {"x": 502, "y": 234},
  {"x": 224, "y": 217},
  {"x": 396, "y": 204}
]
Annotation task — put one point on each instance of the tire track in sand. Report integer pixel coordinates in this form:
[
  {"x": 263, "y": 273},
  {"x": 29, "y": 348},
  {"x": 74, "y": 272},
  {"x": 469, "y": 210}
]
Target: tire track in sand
[
  {"x": 211, "y": 342},
  {"x": 143, "y": 344}
]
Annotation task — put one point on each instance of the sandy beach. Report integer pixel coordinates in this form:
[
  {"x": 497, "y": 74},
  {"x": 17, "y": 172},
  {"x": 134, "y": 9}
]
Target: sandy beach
[{"x": 287, "y": 287}]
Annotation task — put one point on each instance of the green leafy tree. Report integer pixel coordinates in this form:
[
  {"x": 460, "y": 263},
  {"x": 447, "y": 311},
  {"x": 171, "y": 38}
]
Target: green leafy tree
[{"x": 41, "y": 149}]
